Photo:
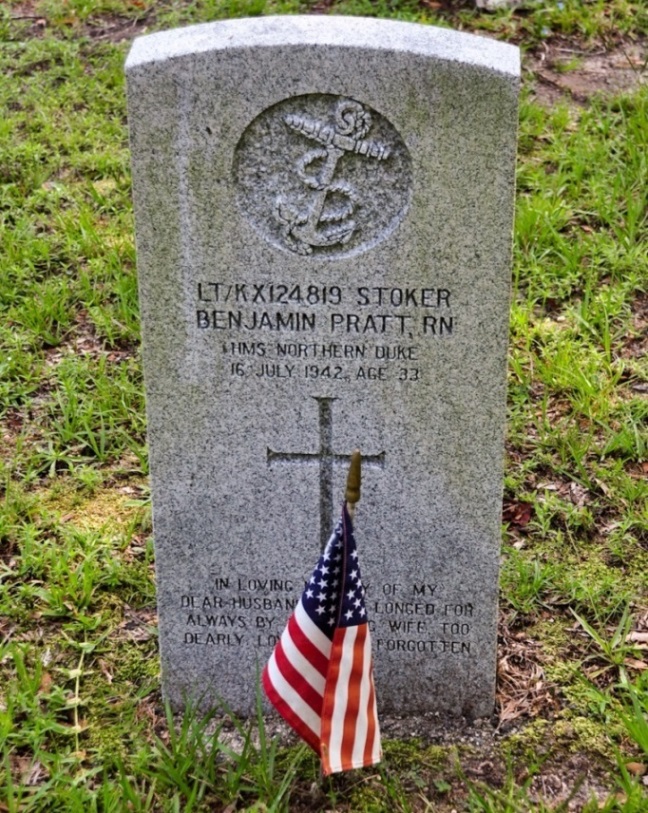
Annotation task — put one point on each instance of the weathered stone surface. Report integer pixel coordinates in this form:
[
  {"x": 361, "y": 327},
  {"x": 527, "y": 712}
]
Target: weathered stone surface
[{"x": 324, "y": 212}]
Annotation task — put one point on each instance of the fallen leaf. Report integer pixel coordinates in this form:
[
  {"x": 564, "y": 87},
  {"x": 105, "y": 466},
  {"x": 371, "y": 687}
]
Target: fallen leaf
[
  {"x": 522, "y": 689},
  {"x": 633, "y": 663},
  {"x": 138, "y": 625},
  {"x": 638, "y": 637},
  {"x": 36, "y": 775},
  {"x": 46, "y": 683},
  {"x": 517, "y": 513},
  {"x": 105, "y": 185},
  {"x": 578, "y": 495},
  {"x": 105, "y": 671}
]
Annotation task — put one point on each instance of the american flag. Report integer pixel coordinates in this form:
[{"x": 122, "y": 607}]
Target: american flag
[{"x": 320, "y": 675}]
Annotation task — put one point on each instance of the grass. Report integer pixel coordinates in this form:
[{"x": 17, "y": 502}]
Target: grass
[{"x": 82, "y": 725}]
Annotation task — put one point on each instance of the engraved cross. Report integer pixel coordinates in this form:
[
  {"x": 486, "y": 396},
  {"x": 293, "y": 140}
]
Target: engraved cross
[{"x": 326, "y": 458}]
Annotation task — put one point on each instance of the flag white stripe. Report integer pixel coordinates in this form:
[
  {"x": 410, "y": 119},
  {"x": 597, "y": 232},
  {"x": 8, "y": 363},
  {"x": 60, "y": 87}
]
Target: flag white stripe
[
  {"x": 340, "y": 699},
  {"x": 362, "y": 727},
  {"x": 302, "y": 664},
  {"x": 292, "y": 698},
  {"x": 312, "y": 631}
]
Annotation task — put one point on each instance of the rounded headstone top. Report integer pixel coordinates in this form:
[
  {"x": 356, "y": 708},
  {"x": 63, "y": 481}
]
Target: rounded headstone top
[{"x": 329, "y": 31}]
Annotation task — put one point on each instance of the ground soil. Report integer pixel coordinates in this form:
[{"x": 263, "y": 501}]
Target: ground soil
[{"x": 562, "y": 70}]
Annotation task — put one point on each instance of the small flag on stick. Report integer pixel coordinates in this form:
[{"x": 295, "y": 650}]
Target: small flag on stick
[{"x": 320, "y": 675}]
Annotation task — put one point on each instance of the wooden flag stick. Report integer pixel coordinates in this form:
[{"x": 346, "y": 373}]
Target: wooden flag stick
[{"x": 354, "y": 478}]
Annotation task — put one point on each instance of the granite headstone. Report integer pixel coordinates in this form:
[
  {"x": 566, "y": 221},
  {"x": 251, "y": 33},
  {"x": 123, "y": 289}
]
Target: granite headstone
[{"x": 323, "y": 213}]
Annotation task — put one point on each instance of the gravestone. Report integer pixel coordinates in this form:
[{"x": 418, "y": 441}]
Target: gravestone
[{"x": 323, "y": 213}]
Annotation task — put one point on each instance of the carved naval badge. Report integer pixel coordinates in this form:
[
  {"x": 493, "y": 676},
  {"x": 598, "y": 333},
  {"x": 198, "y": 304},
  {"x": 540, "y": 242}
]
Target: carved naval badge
[
  {"x": 323, "y": 175},
  {"x": 316, "y": 226}
]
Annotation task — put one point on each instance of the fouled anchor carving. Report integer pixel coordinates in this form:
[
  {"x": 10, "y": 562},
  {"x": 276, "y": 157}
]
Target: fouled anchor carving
[{"x": 319, "y": 225}]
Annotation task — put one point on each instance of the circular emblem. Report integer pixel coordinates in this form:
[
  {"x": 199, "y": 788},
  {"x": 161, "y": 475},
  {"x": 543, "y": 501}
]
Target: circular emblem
[{"x": 323, "y": 176}]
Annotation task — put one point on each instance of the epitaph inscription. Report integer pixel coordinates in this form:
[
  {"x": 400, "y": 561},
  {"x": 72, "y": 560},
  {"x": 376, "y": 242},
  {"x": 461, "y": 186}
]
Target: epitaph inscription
[
  {"x": 411, "y": 619},
  {"x": 321, "y": 175}
]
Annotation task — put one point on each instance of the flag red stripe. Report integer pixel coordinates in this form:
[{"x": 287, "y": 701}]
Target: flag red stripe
[
  {"x": 299, "y": 683},
  {"x": 353, "y": 697},
  {"x": 288, "y": 714},
  {"x": 328, "y": 706},
  {"x": 312, "y": 654},
  {"x": 371, "y": 720}
]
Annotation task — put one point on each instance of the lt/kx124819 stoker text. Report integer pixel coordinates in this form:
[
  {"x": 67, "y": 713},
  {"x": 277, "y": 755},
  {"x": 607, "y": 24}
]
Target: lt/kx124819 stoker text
[{"x": 371, "y": 333}]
